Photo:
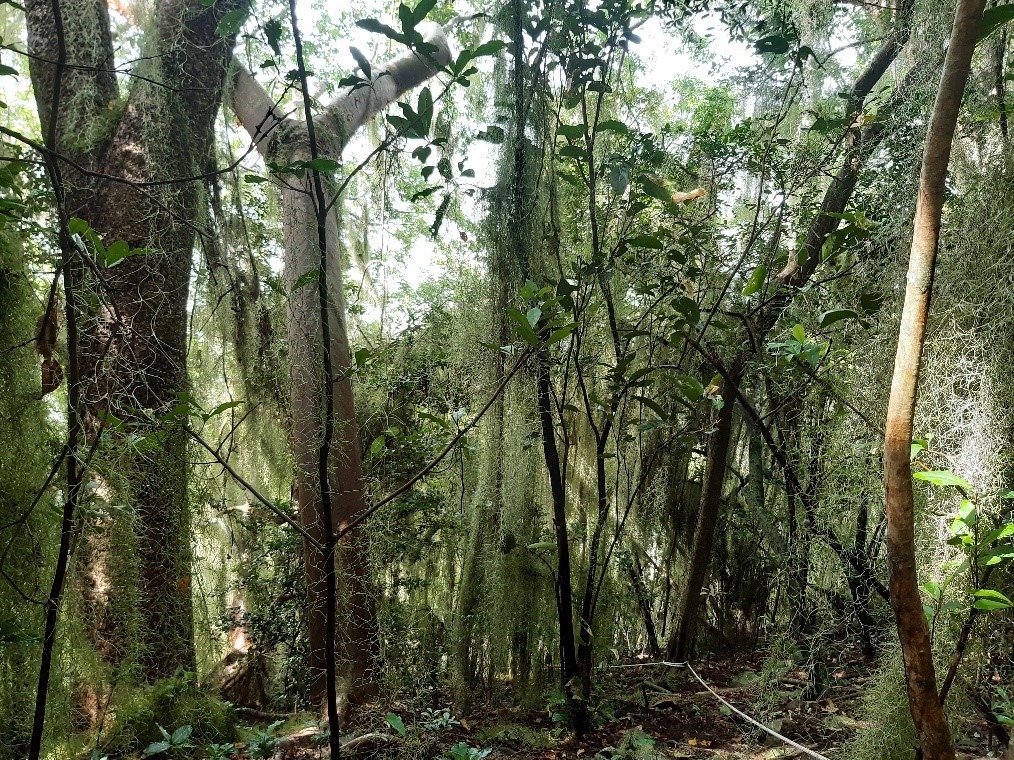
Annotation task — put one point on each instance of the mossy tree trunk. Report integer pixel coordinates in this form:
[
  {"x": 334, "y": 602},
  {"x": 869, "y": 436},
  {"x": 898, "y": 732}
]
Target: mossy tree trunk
[
  {"x": 133, "y": 345},
  {"x": 285, "y": 141}
]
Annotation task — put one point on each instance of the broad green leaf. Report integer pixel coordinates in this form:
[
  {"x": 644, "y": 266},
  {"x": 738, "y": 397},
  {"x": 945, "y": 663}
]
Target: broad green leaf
[
  {"x": 655, "y": 188},
  {"x": 557, "y": 335},
  {"x": 645, "y": 241},
  {"x": 181, "y": 734},
  {"x": 305, "y": 279},
  {"x": 799, "y": 332},
  {"x": 773, "y": 44},
  {"x": 987, "y": 599},
  {"x": 756, "y": 281},
  {"x": 612, "y": 125},
  {"x": 541, "y": 546},
  {"x": 690, "y": 387},
  {"x": 323, "y": 165},
  {"x": 488, "y": 48},
  {"x": 943, "y": 478},
  {"x": 994, "y": 18},
  {"x": 273, "y": 34},
  {"x": 533, "y": 315},
  {"x": 653, "y": 405},
  {"x": 524, "y": 329},
  {"x": 156, "y": 748},
  {"x": 571, "y": 131},
  {"x": 396, "y": 723},
  {"x": 372, "y": 25},
  {"x": 828, "y": 318},
  {"x": 364, "y": 66},
  {"x": 230, "y": 23},
  {"x": 871, "y": 302}
]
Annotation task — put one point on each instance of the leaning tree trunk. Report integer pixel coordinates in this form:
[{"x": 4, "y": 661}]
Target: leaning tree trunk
[
  {"x": 132, "y": 350},
  {"x": 681, "y": 643},
  {"x": 283, "y": 141},
  {"x": 797, "y": 273},
  {"x": 913, "y": 630}
]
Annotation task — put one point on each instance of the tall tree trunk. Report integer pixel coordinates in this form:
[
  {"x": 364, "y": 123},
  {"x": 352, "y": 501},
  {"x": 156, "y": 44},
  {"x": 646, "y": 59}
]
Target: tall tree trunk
[
  {"x": 284, "y": 141},
  {"x": 682, "y": 640},
  {"x": 913, "y": 631},
  {"x": 796, "y": 273},
  {"x": 132, "y": 349}
]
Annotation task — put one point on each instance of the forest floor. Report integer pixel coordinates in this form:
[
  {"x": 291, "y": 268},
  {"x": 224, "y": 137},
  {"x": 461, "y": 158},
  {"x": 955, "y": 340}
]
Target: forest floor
[{"x": 647, "y": 712}]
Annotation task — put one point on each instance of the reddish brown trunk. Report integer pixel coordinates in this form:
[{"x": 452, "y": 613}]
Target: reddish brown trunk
[
  {"x": 133, "y": 339},
  {"x": 913, "y": 630}
]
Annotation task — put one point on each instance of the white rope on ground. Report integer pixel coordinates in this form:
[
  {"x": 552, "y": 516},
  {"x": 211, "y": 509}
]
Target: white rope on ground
[{"x": 740, "y": 713}]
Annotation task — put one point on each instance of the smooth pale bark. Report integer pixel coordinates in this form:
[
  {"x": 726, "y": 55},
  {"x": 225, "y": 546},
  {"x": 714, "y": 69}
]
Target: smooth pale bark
[
  {"x": 132, "y": 348},
  {"x": 284, "y": 141},
  {"x": 913, "y": 630}
]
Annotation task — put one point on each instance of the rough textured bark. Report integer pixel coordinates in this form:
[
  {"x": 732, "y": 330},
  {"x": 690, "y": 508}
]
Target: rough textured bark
[
  {"x": 133, "y": 341},
  {"x": 913, "y": 631},
  {"x": 285, "y": 141}
]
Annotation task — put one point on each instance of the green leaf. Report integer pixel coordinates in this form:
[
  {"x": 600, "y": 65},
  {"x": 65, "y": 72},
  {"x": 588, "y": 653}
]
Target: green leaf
[
  {"x": 756, "y": 281},
  {"x": 871, "y": 302},
  {"x": 230, "y": 23},
  {"x": 488, "y": 48},
  {"x": 533, "y": 315},
  {"x": 689, "y": 309},
  {"x": 654, "y": 188},
  {"x": 6, "y": 70},
  {"x": 573, "y": 151},
  {"x": 943, "y": 478},
  {"x": 541, "y": 546},
  {"x": 181, "y": 734},
  {"x": 918, "y": 446},
  {"x": 988, "y": 599},
  {"x": 305, "y": 279},
  {"x": 645, "y": 241},
  {"x": 612, "y": 125},
  {"x": 156, "y": 748},
  {"x": 799, "y": 333},
  {"x": 116, "y": 253},
  {"x": 690, "y": 387},
  {"x": 524, "y": 329},
  {"x": 396, "y": 723},
  {"x": 773, "y": 44},
  {"x": 653, "y": 405},
  {"x": 557, "y": 335},
  {"x": 364, "y": 66},
  {"x": 828, "y": 318},
  {"x": 322, "y": 165},
  {"x": 372, "y": 25},
  {"x": 993, "y": 19},
  {"x": 273, "y": 34}
]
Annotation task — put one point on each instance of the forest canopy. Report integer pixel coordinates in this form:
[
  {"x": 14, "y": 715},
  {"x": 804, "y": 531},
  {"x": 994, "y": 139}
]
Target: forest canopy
[{"x": 545, "y": 379}]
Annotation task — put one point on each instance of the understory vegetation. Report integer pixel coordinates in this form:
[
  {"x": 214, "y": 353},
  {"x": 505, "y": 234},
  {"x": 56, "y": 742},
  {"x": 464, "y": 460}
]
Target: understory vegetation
[{"x": 545, "y": 379}]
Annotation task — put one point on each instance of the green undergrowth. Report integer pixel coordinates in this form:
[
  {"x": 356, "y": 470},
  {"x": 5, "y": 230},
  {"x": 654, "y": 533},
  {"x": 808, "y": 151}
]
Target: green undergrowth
[
  {"x": 169, "y": 705},
  {"x": 512, "y": 735}
]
